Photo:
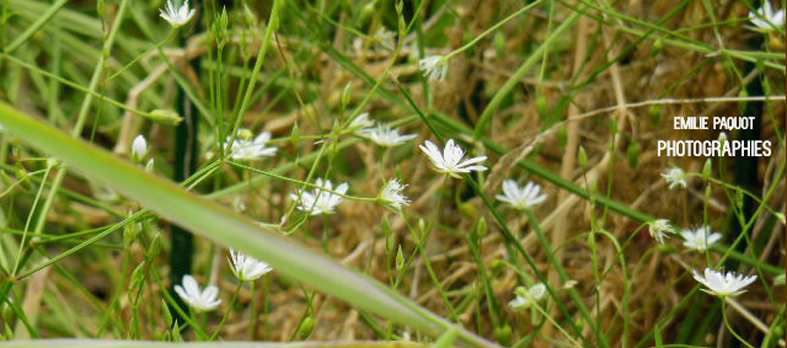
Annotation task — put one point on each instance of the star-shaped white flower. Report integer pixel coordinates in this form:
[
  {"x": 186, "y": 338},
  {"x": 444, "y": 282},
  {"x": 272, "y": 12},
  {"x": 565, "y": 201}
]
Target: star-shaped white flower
[
  {"x": 722, "y": 283},
  {"x": 525, "y": 299},
  {"x": 675, "y": 177},
  {"x": 660, "y": 229},
  {"x": 766, "y": 18},
  {"x": 392, "y": 194},
  {"x": 385, "y": 136},
  {"x": 321, "y": 200},
  {"x": 250, "y": 150},
  {"x": 201, "y": 300},
  {"x": 450, "y": 160},
  {"x": 177, "y": 16},
  {"x": 139, "y": 148},
  {"x": 521, "y": 197},
  {"x": 247, "y": 268},
  {"x": 699, "y": 239},
  {"x": 434, "y": 67}
]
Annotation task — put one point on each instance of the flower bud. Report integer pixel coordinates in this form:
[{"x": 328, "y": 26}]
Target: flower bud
[
  {"x": 165, "y": 116},
  {"x": 139, "y": 148}
]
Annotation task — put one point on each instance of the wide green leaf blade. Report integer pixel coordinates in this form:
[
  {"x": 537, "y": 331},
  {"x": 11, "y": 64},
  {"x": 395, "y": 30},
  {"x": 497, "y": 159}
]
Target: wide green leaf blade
[{"x": 226, "y": 227}]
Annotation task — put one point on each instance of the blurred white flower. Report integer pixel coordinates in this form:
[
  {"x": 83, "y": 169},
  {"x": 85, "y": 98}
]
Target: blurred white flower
[
  {"x": 521, "y": 197},
  {"x": 450, "y": 160},
  {"x": 570, "y": 284},
  {"x": 249, "y": 150},
  {"x": 360, "y": 122},
  {"x": 700, "y": 238},
  {"x": 139, "y": 148},
  {"x": 392, "y": 194},
  {"x": 385, "y": 136},
  {"x": 385, "y": 38},
  {"x": 247, "y": 268},
  {"x": 434, "y": 67},
  {"x": 722, "y": 283},
  {"x": 675, "y": 177},
  {"x": 766, "y": 18},
  {"x": 660, "y": 229},
  {"x": 525, "y": 299},
  {"x": 320, "y": 201},
  {"x": 177, "y": 16},
  {"x": 201, "y": 300}
]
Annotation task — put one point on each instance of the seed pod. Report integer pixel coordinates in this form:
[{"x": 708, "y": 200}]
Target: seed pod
[{"x": 305, "y": 329}]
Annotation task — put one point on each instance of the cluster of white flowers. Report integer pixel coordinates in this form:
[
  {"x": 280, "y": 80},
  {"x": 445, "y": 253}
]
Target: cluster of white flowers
[
  {"x": 245, "y": 268},
  {"x": 450, "y": 161}
]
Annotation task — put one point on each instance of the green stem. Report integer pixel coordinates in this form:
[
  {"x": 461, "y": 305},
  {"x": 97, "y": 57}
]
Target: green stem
[
  {"x": 519, "y": 74},
  {"x": 491, "y": 29},
  {"x": 40, "y": 22},
  {"x": 729, "y": 327}
]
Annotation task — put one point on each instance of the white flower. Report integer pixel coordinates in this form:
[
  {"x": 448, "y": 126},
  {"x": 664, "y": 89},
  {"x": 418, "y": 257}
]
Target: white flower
[
  {"x": 675, "y": 177},
  {"x": 722, "y": 283},
  {"x": 659, "y": 229},
  {"x": 450, "y": 160},
  {"x": 385, "y": 37},
  {"x": 249, "y": 150},
  {"x": 320, "y": 201},
  {"x": 361, "y": 121},
  {"x": 699, "y": 239},
  {"x": 392, "y": 194},
  {"x": 766, "y": 18},
  {"x": 524, "y": 299},
  {"x": 385, "y": 136},
  {"x": 139, "y": 148},
  {"x": 434, "y": 67},
  {"x": 521, "y": 197},
  {"x": 201, "y": 301},
  {"x": 177, "y": 16},
  {"x": 247, "y": 268}
]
